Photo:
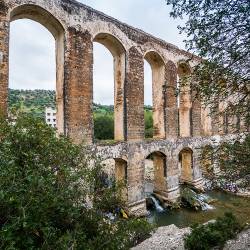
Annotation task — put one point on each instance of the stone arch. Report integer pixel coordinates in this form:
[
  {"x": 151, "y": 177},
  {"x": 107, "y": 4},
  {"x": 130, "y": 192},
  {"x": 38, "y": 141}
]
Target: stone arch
[
  {"x": 186, "y": 165},
  {"x": 134, "y": 94},
  {"x": 121, "y": 170},
  {"x": 185, "y": 99},
  {"x": 158, "y": 86},
  {"x": 40, "y": 15},
  {"x": 119, "y": 54},
  {"x": 121, "y": 176},
  {"x": 156, "y": 174},
  {"x": 45, "y": 18}
]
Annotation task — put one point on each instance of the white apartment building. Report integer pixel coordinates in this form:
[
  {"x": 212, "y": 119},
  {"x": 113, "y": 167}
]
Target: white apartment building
[{"x": 50, "y": 117}]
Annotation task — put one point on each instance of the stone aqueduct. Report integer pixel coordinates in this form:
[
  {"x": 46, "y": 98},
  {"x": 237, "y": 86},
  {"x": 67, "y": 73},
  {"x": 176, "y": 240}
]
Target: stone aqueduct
[{"x": 181, "y": 126}]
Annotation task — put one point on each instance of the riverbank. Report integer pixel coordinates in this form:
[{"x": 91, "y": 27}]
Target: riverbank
[{"x": 172, "y": 238}]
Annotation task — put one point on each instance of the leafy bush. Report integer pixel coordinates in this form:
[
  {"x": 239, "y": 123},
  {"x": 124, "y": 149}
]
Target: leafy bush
[
  {"x": 148, "y": 115},
  {"x": 51, "y": 199},
  {"x": 204, "y": 237},
  {"x": 104, "y": 126}
]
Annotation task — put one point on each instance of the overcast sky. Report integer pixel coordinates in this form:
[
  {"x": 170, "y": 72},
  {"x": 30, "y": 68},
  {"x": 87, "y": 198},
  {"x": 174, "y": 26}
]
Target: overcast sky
[{"x": 32, "y": 47}]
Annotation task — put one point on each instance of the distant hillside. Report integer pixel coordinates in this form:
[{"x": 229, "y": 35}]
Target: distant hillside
[
  {"x": 35, "y": 101},
  {"x": 31, "y": 101}
]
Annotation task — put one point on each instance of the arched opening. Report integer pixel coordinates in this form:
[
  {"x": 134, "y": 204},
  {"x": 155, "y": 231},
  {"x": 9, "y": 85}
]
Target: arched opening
[
  {"x": 115, "y": 171},
  {"x": 207, "y": 161},
  {"x": 184, "y": 100},
  {"x": 121, "y": 177},
  {"x": 44, "y": 18},
  {"x": 186, "y": 165},
  {"x": 154, "y": 95},
  {"x": 155, "y": 173},
  {"x": 114, "y": 99}
]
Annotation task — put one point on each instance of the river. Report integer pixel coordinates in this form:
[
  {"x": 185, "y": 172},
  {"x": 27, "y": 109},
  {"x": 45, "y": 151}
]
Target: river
[{"x": 224, "y": 202}]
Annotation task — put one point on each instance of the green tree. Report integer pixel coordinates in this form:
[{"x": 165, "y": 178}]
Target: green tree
[
  {"x": 50, "y": 198},
  {"x": 148, "y": 115},
  {"x": 218, "y": 31},
  {"x": 104, "y": 126},
  {"x": 205, "y": 237}
]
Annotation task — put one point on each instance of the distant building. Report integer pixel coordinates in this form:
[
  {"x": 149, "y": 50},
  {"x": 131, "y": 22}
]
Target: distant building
[
  {"x": 50, "y": 116},
  {"x": 12, "y": 118}
]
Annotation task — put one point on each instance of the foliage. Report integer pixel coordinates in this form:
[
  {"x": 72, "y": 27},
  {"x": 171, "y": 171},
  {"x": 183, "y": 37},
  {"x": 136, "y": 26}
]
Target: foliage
[
  {"x": 148, "y": 114},
  {"x": 219, "y": 32},
  {"x": 205, "y": 237},
  {"x": 49, "y": 196},
  {"x": 104, "y": 126},
  {"x": 207, "y": 161},
  {"x": 31, "y": 101},
  {"x": 235, "y": 161}
]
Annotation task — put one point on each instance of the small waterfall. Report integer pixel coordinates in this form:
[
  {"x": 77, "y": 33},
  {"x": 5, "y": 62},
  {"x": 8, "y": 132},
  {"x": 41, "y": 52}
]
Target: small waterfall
[
  {"x": 195, "y": 200},
  {"x": 157, "y": 204},
  {"x": 202, "y": 198}
]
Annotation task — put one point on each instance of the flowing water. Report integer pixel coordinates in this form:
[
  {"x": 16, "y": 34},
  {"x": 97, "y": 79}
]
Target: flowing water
[
  {"x": 157, "y": 204},
  {"x": 224, "y": 202}
]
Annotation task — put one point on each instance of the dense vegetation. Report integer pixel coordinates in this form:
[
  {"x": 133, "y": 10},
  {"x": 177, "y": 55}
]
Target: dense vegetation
[
  {"x": 51, "y": 199},
  {"x": 34, "y": 102},
  {"x": 205, "y": 237}
]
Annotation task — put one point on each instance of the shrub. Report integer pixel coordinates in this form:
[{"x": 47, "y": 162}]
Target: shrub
[
  {"x": 148, "y": 115},
  {"x": 104, "y": 126},
  {"x": 204, "y": 237},
  {"x": 50, "y": 198}
]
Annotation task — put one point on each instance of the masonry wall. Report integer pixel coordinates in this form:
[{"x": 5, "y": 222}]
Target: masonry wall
[{"x": 4, "y": 57}]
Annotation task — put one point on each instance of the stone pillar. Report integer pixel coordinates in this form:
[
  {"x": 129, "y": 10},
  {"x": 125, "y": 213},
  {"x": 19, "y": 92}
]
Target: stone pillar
[
  {"x": 4, "y": 59},
  {"x": 134, "y": 92},
  {"x": 135, "y": 181},
  {"x": 215, "y": 120},
  {"x": 79, "y": 86},
  {"x": 160, "y": 184},
  {"x": 196, "y": 115},
  {"x": 171, "y": 108},
  {"x": 173, "y": 189},
  {"x": 158, "y": 79},
  {"x": 198, "y": 181},
  {"x": 119, "y": 70},
  {"x": 185, "y": 108}
]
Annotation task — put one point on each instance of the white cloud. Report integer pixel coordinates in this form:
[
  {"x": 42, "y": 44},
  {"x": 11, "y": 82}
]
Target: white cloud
[
  {"x": 32, "y": 56},
  {"x": 32, "y": 47}
]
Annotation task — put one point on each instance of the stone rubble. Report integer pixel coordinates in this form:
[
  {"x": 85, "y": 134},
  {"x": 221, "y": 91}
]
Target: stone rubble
[
  {"x": 169, "y": 237},
  {"x": 172, "y": 238},
  {"x": 242, "y": 242}
]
